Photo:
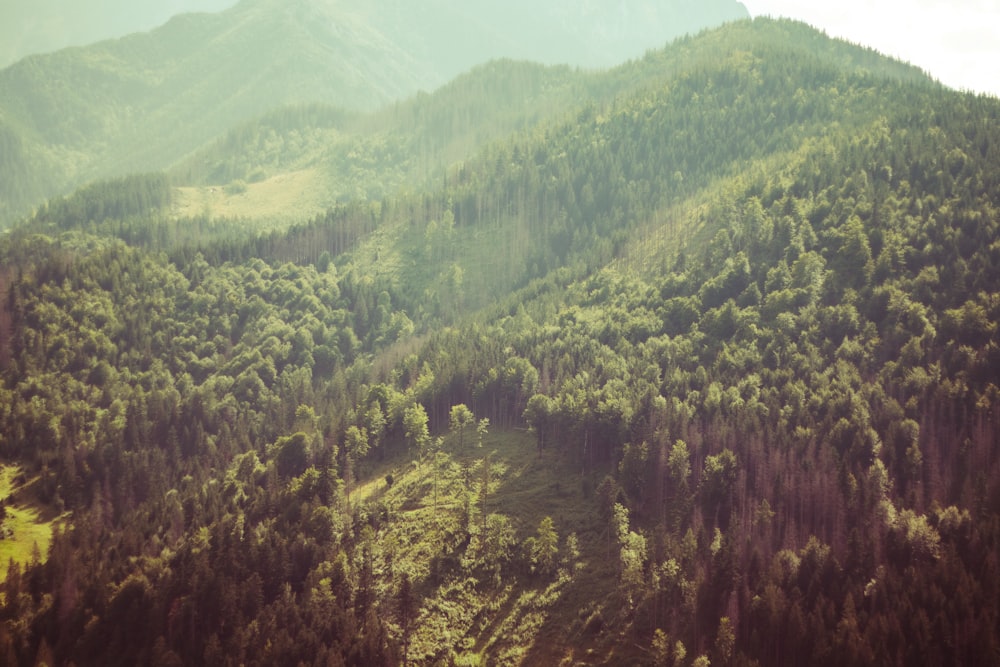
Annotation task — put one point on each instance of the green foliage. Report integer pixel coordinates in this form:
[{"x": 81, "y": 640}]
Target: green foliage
[
  {"x": 415, "y": 423},
  {"x": 460, "y": 418},
  {"x": 145, "y": 102},
  {"x": 679, "y": 464},
  {"x": 291, "y": 455},
  {"x": 236, "y": 187},
  {"x": 118, "y": 200},
  {"x": 546, "y": 547}
]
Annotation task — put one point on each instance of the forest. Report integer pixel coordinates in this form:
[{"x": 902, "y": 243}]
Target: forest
[{"x": 693, "y": 364}]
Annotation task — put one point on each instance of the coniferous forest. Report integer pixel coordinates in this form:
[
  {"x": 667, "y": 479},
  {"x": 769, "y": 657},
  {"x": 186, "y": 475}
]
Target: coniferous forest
[{"x": 690, "y": 361}]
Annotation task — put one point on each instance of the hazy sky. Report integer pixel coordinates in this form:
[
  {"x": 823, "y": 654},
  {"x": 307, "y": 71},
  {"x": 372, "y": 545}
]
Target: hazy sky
[{"x": 955, "y": 41}]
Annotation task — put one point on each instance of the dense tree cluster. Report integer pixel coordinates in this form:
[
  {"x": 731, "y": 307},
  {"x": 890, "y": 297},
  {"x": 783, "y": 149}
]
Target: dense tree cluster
[
  {"x": 131, "y": 383},
  {"x": 119, "y": 199}
]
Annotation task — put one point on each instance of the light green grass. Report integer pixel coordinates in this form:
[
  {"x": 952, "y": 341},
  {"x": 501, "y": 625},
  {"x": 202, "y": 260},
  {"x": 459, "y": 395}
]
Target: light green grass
[
  {"x": 289, "y": 197},
  {"x": 32, "y": 525},
  {"x": 465, "y": 618}
]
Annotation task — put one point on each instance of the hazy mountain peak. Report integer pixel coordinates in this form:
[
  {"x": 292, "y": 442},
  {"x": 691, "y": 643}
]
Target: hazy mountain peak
[{"x": 44, "y": 26}]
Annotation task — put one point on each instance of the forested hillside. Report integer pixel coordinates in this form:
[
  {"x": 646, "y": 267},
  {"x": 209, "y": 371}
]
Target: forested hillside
[
  {"x": 146, "y": 101},
  {"x": 701, "y": 369}
]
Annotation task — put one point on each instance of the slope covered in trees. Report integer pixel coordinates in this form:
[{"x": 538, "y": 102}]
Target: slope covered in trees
[{"x": 701, "y": 371}]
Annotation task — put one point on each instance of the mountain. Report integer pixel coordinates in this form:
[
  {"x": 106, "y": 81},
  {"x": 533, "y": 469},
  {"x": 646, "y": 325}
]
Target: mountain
[
  {"x": 411, "y": 143},
  {"x": 699, "y": 370},
  {"x": 51, "y": 25},
  {"x": 144, "y": 101}
]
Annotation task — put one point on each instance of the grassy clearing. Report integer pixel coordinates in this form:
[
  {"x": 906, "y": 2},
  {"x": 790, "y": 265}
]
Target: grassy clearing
[
  {"x": 31, "y": 525},
  {"x": 294, "y": 196},
  {"x": 469, "y": 616}
]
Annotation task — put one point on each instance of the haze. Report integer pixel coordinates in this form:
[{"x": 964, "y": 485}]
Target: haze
[
  {"x": 956, "y": 42},
  {"x": 39, "y": 26},
  {"x": 380, "y": 332}
]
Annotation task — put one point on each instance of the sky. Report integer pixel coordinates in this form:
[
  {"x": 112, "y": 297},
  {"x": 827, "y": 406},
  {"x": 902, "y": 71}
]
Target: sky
[{"x": 955, "y": 41}]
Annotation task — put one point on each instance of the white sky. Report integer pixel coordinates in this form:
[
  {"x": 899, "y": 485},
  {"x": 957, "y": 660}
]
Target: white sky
[{"x": 955, "y": 41}]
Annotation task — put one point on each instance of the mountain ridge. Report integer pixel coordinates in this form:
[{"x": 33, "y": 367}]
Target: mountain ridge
[
  {"x": 432, "y": 131},
  {"x": 51, "y": 25}
]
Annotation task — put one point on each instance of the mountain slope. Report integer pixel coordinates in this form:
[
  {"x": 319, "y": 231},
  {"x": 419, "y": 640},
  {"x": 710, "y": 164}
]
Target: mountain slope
[
  {"x": 411, "y": 142},
  {"x": 671, "y": 125},
  {"x": 144, "y": 101}
]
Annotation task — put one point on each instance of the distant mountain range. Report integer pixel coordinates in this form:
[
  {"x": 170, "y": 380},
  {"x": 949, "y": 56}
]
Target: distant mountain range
[
  {"x": 145, "y": 101},
  {"x": 42, "y": 26}
]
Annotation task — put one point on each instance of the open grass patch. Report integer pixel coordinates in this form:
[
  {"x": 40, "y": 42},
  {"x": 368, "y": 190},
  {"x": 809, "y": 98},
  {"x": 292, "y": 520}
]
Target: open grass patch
[
  {"x": 477, "y": 607},
  {"x": 284, "y": 198},
  {"x": 26, "y": 527}
]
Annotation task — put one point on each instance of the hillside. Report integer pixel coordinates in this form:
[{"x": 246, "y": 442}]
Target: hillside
[
  {"x": 405, "y": 146},
  {"x": 701, "y": 370},
  {"x": 145, "y": 101}
]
